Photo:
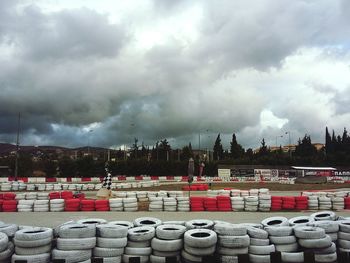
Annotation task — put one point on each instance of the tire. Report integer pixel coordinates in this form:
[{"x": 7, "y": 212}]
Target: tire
[
  {"x": 7, "y": 253},
  {"x": 122, "y": 223},
  {"x": 158, "y": 259},
  {"x": 92, "y": 221},
  {"x": 200, "y": 251},
  {"x": 144, "y": 251},
  {"x": 257, "y": 233},
  {"x": 33, "y": 250},
  {"x": 300, "y": 221},
  {"x": 328, "y": 226},
  {"x": 170, "y": 232},
  {"x": 141, "y": 233},
  {"x": 40, "y": 258},
  {"x": 309, "y": 232},
  {"x": 261, "y": 250},
  {"x": 107, "y": 252},
  {"x": 111, "y": 231},
  {"x": 316, "y": 243},
  {"x": 259, "y": 242},
  {"x": 117, "y": 259},
  {"x": 76, "y": 243},
  {"x": 182, "y": 223},
  {"x": 200, "y": 238},
  {"x": 3, "y": 241},
  {"x": 190, "y": 258},
  {"x": 259, "y": 258},
  {"x": 34, "y": 243},
  {"x": 344, "y": 243},
  {"x": 282, "y": 240},
  {"x": 326, "y": 258},
  {"x": 143, "y": 259},
  {"x": 147, "y": 221},
  {"x": 343, "y": 235},
  {"x": 112, "y": 242},
  {"x": 324, "y": 215},
  {"x": 146, "y": 243},
  {"x": 77, "y": 231},
  {"x": 234, "y": 241},
  {"x": 167, "y": 245},
  {"x": 227, "y": 229},
  {"x": 72, "y": 256},
  {"x": 36, "y": 233},
  {"x": 275, "y": 221},
  {"x": 292, "y": 247},
  {"x": 343, "y": 225},
  {"x": 228, "y": 259},
  {"x": 199, "y": 223},
  {"x": 166, "y": 253},
  {"x": 9, "y": 229},
  {"x": 297, "y": 257}
]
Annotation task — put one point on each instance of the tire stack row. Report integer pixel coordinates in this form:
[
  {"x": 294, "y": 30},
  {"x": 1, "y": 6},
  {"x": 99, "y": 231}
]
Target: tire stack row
[
  {"x": 168, "y": 242},
  {"x": 196, "y": 203},
  {"x": 344, "y": 236},
  {"x": 32, "y": 196},
  {"x": 9, "y": 206},
  {"x": 251, "y": 203},
  {"x": 41, "y": 206},
  {"x": 75, "y": 242},
  {"x": 42, "y": 196},
  {"x": 25, "y": 205},
  {"x": 283, "y": 238},
  {"x": 111, "y": 241},
  {"x": 224, "y": 203},
  {"x": 237, "y": 203},
  {"x": 33, "y": 244},
  {"x": 276, "y": 203},
  {"x": 259, "y": 248},
  {"x": 347, "y": 202},
  {"x": 264, "y": 202},
  {"x": 87, "y": 205},
  {"x": 57, "y": 205},
  {"x": 54, "y": 195},
  {"x": 324, "y": 203},
  {"x": 210, "y": 204},
  {"x": 183, "y": 204},
  {"x": 288, "y": 202},
  {"x": 102, "y": 205},
  {"x": 156, "y": 204},
  {"x": 116, "y": 204},
  {"x": 312, "y": 203},
  {"x": 139, "y": 243},
  {"x": 130, "y": 204},
  {"x": 170, "y": 204},
  {"x": 233, "y": 240},
  {"x": 338, "y": 203},
  {"x": 72, "y": 205},
  {"x": 301, "y": 203}
]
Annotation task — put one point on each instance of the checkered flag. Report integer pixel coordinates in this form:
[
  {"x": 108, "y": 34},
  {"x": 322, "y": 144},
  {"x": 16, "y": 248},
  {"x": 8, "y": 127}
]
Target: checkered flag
[{"x": 107, "y": 181}]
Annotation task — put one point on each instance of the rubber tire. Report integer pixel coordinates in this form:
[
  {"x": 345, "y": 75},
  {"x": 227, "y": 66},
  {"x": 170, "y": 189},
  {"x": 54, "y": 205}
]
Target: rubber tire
[
  {"x": 77, "y": 231},
  {"x": 76, "y": 243},
  {"x": 170, "y": 232},
  {"x": 111, "y": 242},
  {"x": 39, "y": 258},
  {"x": 141, "y": 233},
  {"x": 194, "y": 238},
  {"x": 111, "y": 231},
  {"x": 107, "y": 252},
  {"x": 167, "y": 245},
  {"x": 72, "y": 256}
]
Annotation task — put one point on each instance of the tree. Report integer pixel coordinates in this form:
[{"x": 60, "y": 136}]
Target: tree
[
  {"x": 187, "y": 152},
  {"x": 305, "y": 147},
  {"x": 263, "y": 148},
  {"x": 329, "y": 144},
  {"x": 218, "y": 150},
  {"x": 164, "y": 150},
  {"x": 237, "y": 150},
  {"x": 135, "y": 149}
]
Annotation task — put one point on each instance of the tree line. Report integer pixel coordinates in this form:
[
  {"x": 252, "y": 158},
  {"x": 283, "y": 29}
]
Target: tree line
[{"x": 163, "y": 160}]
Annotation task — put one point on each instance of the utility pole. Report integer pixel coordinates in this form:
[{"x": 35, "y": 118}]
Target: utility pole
[
  {"x": 289, "y": 149},
  {"x": 17, "y": 146}
]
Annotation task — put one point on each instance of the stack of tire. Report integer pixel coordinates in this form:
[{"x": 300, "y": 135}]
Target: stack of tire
[
  {"x": 102, "y": 205},
  {"x": 233, "y": 240},
  {"x": 237, "y": 203},
  {"x": 41, "y": 206},
  {"x": 197, "y": 203},
  {"x": 264, "y": 202},
  {"x": 198, "y": 243},
  {"x": 116, "y": 204},
  {"x": 224, "y": 203},
  {"x": 71, "y": 205},
  {"x": 251, "y": 203},
  {"x": 170, "y": 204},
  {"x": 312, "y": 202},
  {"x": 324, "y": 203},
  {"x": 337, "y": 203},
  {"x": 75, "y": 242},
  {"x": 210, "y": 204},
  {"x": 316, "y": 240},
  {"x": 282, "y": 238},
  {"x": 288, "y": 202},
  {"x": 344, "y": 236},
  {"x": 43, "y": 196},
  {"x": 156, "y": 204},
  {"x": 67, "y": 195},
  {"x": 87, "y": 205},
  {"x": 347, "y": 202},
  {"x": 276, "y": 203},
  {"x": 111, "y": 241},
  {"x": 260, "y": 248},
  {"x": 31, "y": 196},
  {"x": 54, "y": 195},
  {"x": 9, "y": 205},
  {"x": 6, "y": 248},
  {"x": 25, "y": 205},
  {"x": 139, "y": 243},
  {"x": 130, "y": 204},
  {"x": 56, "y": 205},
  {"x": 326, "y": 221},
  {"x": 301, "y": 202},
  {"x": 33, "y": 244},
  {"x": 183, "y": 203},
  {"x": 168, "y": 242}
]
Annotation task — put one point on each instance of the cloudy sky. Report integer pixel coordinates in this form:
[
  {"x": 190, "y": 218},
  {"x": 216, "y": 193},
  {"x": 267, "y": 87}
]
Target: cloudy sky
[{"x": 102, "y": 72}]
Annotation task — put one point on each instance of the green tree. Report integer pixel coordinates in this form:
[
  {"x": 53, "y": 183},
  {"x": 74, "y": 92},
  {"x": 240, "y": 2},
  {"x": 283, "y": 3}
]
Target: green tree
[
  {"x": 263, "y": 148},
  {"x": 218, "y": 151},
  {"x": 305, "y": 147},
  {"x": 187, "y": 152},
  {"x": 237, "y": 150}
]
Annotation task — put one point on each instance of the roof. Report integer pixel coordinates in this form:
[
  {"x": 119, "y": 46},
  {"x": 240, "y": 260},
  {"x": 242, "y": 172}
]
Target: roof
[{"x": 314, "y": 168}]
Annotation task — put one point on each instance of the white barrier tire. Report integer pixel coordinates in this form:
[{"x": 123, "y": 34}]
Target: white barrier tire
[
  {"x": 34, "y": 243},
  {"x": 169, "y": 232},
  {"x": 112, "y": 242},
  {"x": 200, "y": 238},
  {"x": 324, "y": 215},
  {"x": 316, "y": 243},
  {"x": 309, "y": 232},
  {"x": 147, "y": 221},
  {"x": 111, "y": 231},
  {"x": 9, "y": 229},
  {"x": 76, "y": 243},
  {"x": 279, "y": 231},
  {"x": 227, "y": 229},
  {"x": 3, "y": 241},
  {"x": 39, "y": 258},
  {"x": 257, "y": 233},
  {"x": 275, "y": 221},
  {"x": 234, "y": 241},
  {"x": 297, "y": 257},
  {"x": 92, "y": 221},
  {"x": 7, "y": 253},
  {"x": 145, "y": 243},
  {"x": 167, "y": 245},
  {"x": 199, "y": 223},
  {"x": 127, "y": 224},
  {"x": 143, "y": 259},
  {"x": 140, "y": 251},
  {"x": 281, "y": 240},
  {"x": 261, "y": 250},
  {"x": 259, "y": 242},
  {"x": 259, "y": 258},
  {"x": 287, "y": 247},
  {"x": 232, "y": 251},
  {"x": 107, "y": 252},
  {"x": 200, "y": 251},
  {"x": 77, "y": 231},
  {"x": 141, "y": 233},
  {"x": 326, "y": 258},
  {"x": 72, "y": 256}
]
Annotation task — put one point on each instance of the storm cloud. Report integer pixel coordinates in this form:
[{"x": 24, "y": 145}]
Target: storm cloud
[{"x": 104, "y": 73}]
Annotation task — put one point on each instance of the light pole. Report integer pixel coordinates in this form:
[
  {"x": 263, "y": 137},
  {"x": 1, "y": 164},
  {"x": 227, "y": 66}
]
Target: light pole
[
  {"x": 17, "y": 146},
  {"x": 90, "y": 131},
  {"x": 289, "y": 145}
]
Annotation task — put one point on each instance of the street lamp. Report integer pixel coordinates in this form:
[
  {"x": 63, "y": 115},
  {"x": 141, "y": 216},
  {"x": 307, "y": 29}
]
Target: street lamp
[
  {"x": 290, "y": 152},
  {"x": 90, "y": 131}
]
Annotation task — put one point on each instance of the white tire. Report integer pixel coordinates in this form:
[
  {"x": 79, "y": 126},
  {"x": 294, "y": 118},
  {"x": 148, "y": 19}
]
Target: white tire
[
  {"x": 9, "y": 229},
  {"x": 300, "y": 221},
  {"x": 112, "y": 242},
  {"x": 316, "y": 243},
  {"x": 35, "y": 233},
  {"x": 287, "y": 247},
  {"x": 3, "y": 241},
  {"x": 200, "y": 251},
  {"x": 326, "y": 258},
  {"x": 189, "y": 257},
  {"x": 107, "y": 252},
  {"x": 169, "y": 232},
  {"x": 344, "y": 243},
  {"x": 261, "y": 250},
  {"x": 259, "y": 258},
  {"x": 288, "y": 257},
  {"x": 76, "y": 243},
  {"x": 182, "y": 223},
  {"x": 200, "y": 238},
  {"x": 139, "y": 251},
  {"x": 257, "y": 233},
  {"x": 39, "y": 258},
  {"x": 32, "y": 243},
  {"x": 92, "y": 221},
  {"x": 309, "y": 232},
  {"x": 158, "y": 259},
  {"x": 279, "y": 231},
  {"x": 7, "y": 252},
  {"x": 77, "y": 231},
  {"x": 343, "y": 235},
  {"x": 111, "y": 231},
  {"x": 147, "y": 221},
  {"x": 275, "y": 221},
  {"x": 228, "y": 259},
  {"x": 145, "y": 243},
  {"x": 199, "y": 223},
  {"x": 227, "y": 229},
  {"x": 117, "y": 259},
  {"x": 328, "y": 226},
  {"x": 143, "y": 259},
  {"x": 166, "y": 253},
  {"x": 259, "y": 242},
  {"x": 282, "y": 240},
  {"x": 324, "y": 215},
  {"x": 167, "y": 245},
  {"x": 72, "y": 256},
  {"x": 234, "y": 241},
  {"x": 33, "y": 250},
  {"x": 141, "y": 233},
  {"x": 343, "y": 225},
  {"x": 127, "y": 224}
]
